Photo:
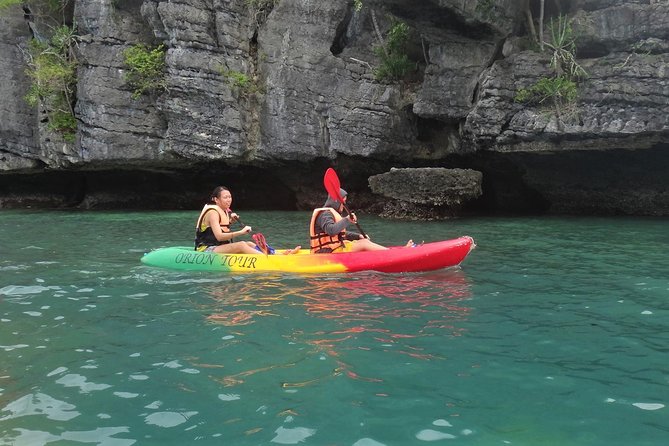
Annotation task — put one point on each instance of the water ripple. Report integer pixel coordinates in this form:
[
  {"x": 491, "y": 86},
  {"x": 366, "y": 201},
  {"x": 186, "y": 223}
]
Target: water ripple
[
  {"x": 80, "y": 381},
  {"x": 292, "y": 435},
  {"x": 40, "y": 404},
  {"x": 20, "y": 290},
  {"x": 169, "y": 419}
]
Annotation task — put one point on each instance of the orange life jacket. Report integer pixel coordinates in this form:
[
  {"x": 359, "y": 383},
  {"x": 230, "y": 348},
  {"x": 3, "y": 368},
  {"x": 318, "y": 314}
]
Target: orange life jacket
[{"x": 323, "y": 240}]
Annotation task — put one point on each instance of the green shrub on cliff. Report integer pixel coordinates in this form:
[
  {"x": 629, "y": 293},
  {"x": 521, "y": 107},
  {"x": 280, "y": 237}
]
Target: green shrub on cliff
[
  {"x": 395, "y": 62},
  {"x": 392, "y": 50},
  {"x": 563, "y": 45},
  {"x": 237, "y": 79},
  {"x": 146, "y": 69},
  {"x": 240, "y": 82},
  {"x": 559, "y": 89},
  {"x": 52, "y": 67}
]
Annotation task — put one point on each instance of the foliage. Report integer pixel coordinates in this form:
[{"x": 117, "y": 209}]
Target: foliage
[
  {"x": 146, "y": 69},
  {"x": 7, "y": 3},
  {"x": 393, "y": 66},
  {"x": 240, "y": 82},
  {"x": 52, "y": 68},
  {"x": 560, "y": 89},
  {"x": 64, "y": 123},
  {"x": 563, "y": 44},
  {"x": 239, "y": 79},
  {"x": 398, "y": 37},
  {"x": 357, "y": 5},
  {"x": 395, "y": 63}
]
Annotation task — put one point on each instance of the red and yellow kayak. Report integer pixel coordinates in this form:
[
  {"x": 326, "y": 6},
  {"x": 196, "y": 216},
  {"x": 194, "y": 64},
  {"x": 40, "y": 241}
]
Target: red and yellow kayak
[{"x": 398, "y": 259}]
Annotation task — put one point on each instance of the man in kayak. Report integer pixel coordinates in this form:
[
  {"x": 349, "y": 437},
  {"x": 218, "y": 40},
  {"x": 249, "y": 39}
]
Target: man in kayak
[
  {"x": 327, "y": 230},
  {"x": 213, "y": 232}
]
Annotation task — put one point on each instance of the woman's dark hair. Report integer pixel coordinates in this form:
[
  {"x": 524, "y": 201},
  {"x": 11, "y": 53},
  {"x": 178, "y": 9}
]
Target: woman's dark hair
[{"x": 216, "y": 192}]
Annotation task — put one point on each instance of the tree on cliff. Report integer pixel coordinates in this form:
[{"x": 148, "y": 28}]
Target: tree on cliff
[
  {"x": 391, "y": 49},
  {"x": 52, "y": 66},
  {"x": 560, "y": 90},
  {"x": 52, "y": 62},
  {"x": 146, "y": 69}
]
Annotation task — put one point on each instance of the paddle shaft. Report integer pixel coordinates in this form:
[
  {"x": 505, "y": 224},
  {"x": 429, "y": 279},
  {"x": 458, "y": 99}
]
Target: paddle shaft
[
  {"x": 257, "y": 237},
  {"x": 333, "y": 186},
  {"x": 241, "y": 222},
  {"x": 356, "y": 222}
]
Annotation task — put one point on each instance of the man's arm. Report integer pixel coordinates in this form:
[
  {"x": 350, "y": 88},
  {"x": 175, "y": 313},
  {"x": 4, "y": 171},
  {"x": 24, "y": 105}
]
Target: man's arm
[
  {"x": 326, "y": 221},
  {"x": 352, "y": 235}
]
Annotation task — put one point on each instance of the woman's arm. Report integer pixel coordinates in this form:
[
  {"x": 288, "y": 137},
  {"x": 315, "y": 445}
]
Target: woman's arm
[{"x": 215, "y": 225}]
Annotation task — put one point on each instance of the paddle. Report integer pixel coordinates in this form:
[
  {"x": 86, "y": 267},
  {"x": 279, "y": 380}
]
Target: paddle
[
  {"x": 258, "y": 238},
  {"x": 333, "y": 186}
]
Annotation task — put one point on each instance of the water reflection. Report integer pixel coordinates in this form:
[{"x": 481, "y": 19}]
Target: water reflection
[
  {"x": 384, "y": 313},
  {"x": 240, "y": 303},
  {"x": 360, "y": 298},
  {"x": 350, "y": 298},
  {"x": 403, "y": 315}
]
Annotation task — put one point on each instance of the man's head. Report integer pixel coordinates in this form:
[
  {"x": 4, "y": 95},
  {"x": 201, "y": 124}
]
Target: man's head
[{"x": 336, "y": 204}]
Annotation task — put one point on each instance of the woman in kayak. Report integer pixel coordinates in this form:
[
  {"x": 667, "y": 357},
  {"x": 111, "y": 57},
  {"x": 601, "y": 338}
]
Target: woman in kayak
[
  {"x": 327, "y": 230},
  {"x": 213, "y": 232}
]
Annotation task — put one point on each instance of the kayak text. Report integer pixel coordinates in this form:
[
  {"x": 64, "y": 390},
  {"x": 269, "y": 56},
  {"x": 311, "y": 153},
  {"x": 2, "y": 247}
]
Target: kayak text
[
  {"x": 196, "y": 258},
  {"x": 209, "y": 259},
  {"x": 239, "y": 261}
]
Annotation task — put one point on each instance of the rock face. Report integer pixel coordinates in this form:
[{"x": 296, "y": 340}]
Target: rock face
[
  {"x": 288, "y": 87},
  {"x": 426, "y": 193},
  {"x": 113, "y": 128},
  {"x": 19, "y": 144}
]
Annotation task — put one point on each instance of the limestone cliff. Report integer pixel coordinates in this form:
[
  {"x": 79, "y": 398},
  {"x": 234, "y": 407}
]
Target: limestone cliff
[{"x": 312, "y": 100}]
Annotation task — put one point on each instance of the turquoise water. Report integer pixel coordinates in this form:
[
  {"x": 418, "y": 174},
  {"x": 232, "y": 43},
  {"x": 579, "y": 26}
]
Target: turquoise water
[{"x": 555, "y": 331}]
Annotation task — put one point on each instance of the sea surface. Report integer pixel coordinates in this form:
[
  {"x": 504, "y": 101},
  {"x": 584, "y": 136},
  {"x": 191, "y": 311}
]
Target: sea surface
[{"x": 554, "y": 331}]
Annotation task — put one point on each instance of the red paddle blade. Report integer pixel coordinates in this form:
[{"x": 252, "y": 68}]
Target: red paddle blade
[
  {"x": 260, "y": 242},
  {"x": 332, "y": 185}
]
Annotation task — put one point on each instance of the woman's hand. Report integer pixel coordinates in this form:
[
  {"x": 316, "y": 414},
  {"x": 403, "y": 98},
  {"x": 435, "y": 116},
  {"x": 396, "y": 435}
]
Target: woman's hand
[
  {"x": 245, "y": 230},
  {"x": 352, "y": 218}
]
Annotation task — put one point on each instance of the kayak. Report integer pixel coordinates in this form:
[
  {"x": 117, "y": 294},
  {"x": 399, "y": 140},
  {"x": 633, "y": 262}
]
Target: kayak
[{"x": 397, "y": 259}]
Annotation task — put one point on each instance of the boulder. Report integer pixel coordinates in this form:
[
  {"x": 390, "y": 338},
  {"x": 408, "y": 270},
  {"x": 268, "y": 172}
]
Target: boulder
[{"x": 426, "y": 193}]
